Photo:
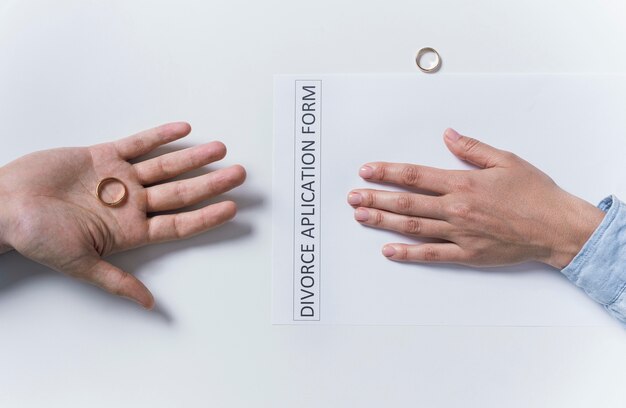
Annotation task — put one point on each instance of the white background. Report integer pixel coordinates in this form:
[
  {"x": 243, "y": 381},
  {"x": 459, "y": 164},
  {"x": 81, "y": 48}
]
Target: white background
[{"x": 83, "y": 72}]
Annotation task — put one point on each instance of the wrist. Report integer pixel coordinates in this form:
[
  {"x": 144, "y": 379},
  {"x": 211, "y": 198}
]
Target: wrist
[{"x": 575, "y": 223}]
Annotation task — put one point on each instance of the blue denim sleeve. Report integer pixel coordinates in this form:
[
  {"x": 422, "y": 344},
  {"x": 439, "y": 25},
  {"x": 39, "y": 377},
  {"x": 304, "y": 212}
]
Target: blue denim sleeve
[{"x": 600, "y": 266}]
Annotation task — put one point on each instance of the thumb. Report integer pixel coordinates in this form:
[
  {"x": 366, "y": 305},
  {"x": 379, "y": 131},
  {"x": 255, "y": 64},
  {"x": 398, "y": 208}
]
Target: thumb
[
  {"x": 120, "y": 283},
  {"x": 473, "y": 151}
]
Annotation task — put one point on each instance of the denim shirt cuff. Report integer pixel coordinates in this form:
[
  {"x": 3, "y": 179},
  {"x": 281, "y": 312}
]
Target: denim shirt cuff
[{"x": 599, "y": 268}]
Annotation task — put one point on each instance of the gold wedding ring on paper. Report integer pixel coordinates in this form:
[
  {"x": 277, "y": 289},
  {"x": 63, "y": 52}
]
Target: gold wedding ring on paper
[
  {"x": 418, "y": 60},
  {"x": 103, "y": 183}
]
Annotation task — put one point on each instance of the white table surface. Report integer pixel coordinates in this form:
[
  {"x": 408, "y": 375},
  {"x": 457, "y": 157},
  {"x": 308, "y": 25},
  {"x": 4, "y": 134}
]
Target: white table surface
[{"x": 78, "y": 72}]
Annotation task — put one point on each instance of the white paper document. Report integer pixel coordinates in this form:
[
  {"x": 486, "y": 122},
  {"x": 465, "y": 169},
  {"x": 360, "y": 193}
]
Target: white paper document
[{"x": 328, "y": 269}]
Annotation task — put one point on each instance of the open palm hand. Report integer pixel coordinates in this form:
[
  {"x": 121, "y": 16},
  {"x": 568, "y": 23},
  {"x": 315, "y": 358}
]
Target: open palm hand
[{"x": 54, "y": 216}]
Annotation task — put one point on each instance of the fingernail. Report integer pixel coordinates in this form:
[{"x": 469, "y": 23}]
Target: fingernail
[
  {"x": 361, "y": 214},
  {"x": 452, "y": 135},
  {"x": 389, "y": 251},
  {"x": 355, "y": 198},
  {"x": 366, "y": 172}
]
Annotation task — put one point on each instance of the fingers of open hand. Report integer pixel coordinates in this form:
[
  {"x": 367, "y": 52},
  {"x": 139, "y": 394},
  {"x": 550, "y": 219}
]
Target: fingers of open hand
[
  {"x": 176, "y": 163},
  {"x": 432, "y": 253},
  {"x": 421, "y": 227},
  {"x": 401, "y": 203},
  {"x": 408, "y": 175},
  {"x": 179, "y": 194},
  {"x": 476, "y": 152},
  {"x": 120, "y": 283},
  {"x": 187, "y": 224},
  {"x": 146, "y": 141}
]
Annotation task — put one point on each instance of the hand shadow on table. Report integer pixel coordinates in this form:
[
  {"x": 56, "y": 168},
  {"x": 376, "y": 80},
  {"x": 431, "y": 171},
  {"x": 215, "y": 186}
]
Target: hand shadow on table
[
  {"x": 17, "y": 270},
  {"x": 526, "y": 267}
]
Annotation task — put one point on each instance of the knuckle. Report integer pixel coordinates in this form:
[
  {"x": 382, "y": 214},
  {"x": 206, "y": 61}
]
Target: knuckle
[
  {"x": 378, "y": 218},
  {"x": 149, "y": 199},
  {"x": 163, "y": 168},
  {"x": 381, "y": 171},
  {"x": 369, "y": 198},
  {"x": 208, "y": 221},
  {"x": 404, "y": 202},
  {"x": 410, "y": 175},
  {"x": 180, "y": 189},
  {"x": 140, "y": 144},
  {"x": 402, "y": 252},
  {"x": 215, "y": 182},
  {"x": 195, "y": 158},
  {"x": 471, "y": 144},
  {"x": 436, "y": 206},
  {"x": 460, "y": 210},
  {"x": 412, "y": 226},
  {"x": 177, "y": 229},
  {"x": 430, "y": 254}
]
